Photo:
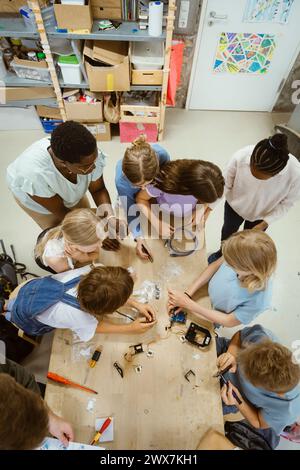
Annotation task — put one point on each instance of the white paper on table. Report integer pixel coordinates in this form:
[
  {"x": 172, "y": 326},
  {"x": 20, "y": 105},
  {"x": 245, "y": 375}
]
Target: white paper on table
[{"x": 50, "y": 443}]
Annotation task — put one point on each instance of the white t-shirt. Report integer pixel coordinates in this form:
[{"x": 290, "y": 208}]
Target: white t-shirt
[
  {"x": 34, "y": 173},
  {"x": 255, "y": 199},
  {"x": 64, "y": 316},
  {"x": 55, "y": 248}
]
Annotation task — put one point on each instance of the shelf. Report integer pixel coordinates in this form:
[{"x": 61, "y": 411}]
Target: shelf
[
  {"x": 145, "y": 88},
  {"x": 12, "y": 80},
  {"x": 25, "y": 103},
  {"x": 15, "y": 27},
  {"x": 72, "y": 85},
  {"x": 128, "y": 31}
]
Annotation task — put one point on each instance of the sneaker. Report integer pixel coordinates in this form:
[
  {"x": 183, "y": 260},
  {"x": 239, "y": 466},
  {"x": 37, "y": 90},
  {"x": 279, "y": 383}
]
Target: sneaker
[{"x": 214, "y": 256}]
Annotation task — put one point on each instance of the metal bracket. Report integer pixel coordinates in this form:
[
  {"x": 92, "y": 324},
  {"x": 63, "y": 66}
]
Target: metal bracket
[
  {"x": 119, "y": 369},
  {"x": 137, "y": 348},
  {"x": 189, "y": 372}
]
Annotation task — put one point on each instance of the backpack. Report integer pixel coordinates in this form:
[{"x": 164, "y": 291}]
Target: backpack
[
  {"x": 16, "y": 348},
  {"x": 246, "y": 437},
  {"x": 35, "y": 297}
]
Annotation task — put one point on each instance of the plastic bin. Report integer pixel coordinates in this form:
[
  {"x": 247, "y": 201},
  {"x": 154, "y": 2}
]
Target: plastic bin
[
  {"x": 34, "y": 73},
  {"x": 70, "y": 69},
  {"x": 147, "y": 55},
  {"x": 129, "y": 131},
  {"x": 50, "y": 124}
]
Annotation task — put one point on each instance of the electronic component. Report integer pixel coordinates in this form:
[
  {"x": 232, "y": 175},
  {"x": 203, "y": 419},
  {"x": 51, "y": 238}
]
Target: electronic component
[
  {"x": 119, "y": 369},
  {"x": 179, "y": 317},
  {"x": 198, "y": 335}
]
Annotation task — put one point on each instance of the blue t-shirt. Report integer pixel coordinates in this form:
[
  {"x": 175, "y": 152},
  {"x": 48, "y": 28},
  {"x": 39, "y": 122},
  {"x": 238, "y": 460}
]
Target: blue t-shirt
[
  {"x": 127, "y": 191},
  {"x": 227, "y": 295},
  {"x": 277, "y": 411}
]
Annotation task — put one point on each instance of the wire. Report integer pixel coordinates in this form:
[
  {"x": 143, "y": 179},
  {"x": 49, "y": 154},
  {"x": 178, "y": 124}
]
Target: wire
[{"x": 125, "y": 315}]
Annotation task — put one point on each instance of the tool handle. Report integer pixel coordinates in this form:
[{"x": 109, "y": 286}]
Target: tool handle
[
  {"x": 57, "y": 378},
  {"x": 105, "y": 425}
]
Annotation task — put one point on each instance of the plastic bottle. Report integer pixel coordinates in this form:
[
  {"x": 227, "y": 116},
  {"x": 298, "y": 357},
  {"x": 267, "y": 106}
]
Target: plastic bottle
[
  {"x": 41, "y": 56},
  {"x": 32, "y": 56}
]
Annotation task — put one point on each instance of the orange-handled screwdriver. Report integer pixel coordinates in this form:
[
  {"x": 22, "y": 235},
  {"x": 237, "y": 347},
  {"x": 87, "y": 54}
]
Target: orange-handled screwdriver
[
  {"x": 64, "y": 381},
  {"x": 101, "y": 430}
]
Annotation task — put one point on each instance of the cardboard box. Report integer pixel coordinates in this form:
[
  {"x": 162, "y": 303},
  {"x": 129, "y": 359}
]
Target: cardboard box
[
  {"x": 48, "y": 112},
  {"x": 13, "y": 6},
  {"x": 110, "y": 52},
  {"x": 31, "y": 63},
  {"x": 106, "y": 3},
  {"x": 29, "y": 93},
  {"x": 100, "y": 130},
  {"x": 146, "y": 77},
  {"x": 106, "y": 78},
  {"x": 107, "y": 13},
  {"x": 73, "y": 17},
  {"x": 87, "y": 112}
]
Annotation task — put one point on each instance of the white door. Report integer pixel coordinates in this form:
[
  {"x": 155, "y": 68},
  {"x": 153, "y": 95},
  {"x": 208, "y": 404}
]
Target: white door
[{"x": 243, "y": 53}]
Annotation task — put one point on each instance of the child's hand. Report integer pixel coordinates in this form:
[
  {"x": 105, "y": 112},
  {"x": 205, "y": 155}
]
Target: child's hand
[
  {"x": 171, "y": 309},
  {"x": 227, "y": 394},
  {"x": 139, "y": 249},
  {"x": 140, "y": 326},
  {"x": 166, "y": 230},
  {"x": 146, "y": 310},
  {"x": 178, "y": 299},
  {"x": 60, "y": 429},
  {"x": 225, "y": 360}
]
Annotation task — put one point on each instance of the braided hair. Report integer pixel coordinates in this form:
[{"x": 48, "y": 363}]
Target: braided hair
[{"x": 270, "y": 155}]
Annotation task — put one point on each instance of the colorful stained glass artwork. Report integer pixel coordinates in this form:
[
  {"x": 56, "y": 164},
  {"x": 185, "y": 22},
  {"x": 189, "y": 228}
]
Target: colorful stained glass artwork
[
  {"x": 244, "y": 53},
  {"x": 268, "y": 11}
]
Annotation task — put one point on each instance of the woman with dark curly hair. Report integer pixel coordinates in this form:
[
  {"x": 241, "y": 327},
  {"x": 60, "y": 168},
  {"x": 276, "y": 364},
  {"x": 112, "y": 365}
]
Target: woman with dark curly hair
[{"x": 52, "y": 176}]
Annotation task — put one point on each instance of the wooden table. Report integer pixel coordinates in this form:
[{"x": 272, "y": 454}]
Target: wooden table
[{"x": 157, "y": 408}]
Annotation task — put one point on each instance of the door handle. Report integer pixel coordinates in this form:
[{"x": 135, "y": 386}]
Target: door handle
[{"x": 215, "y": 16}]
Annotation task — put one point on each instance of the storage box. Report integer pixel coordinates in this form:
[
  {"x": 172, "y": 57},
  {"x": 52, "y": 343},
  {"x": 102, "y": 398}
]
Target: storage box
[
  {"x": 13, "y": 6},
  {"x": 31, "y": 69},
  {"x": 50, "y": 125},
  {"x": 48, "y": 112},
  {"x": 73, "y": 17},
  {"x": 146, "y": 77},
  {"x": 100, "y": 130},
  {"x": 70, "y": 69},
  {"x": 136, "y": 113},
  {"x": 87, "y": 112},
  {"x": 27, "y": 93},
  {"x": 105, "y": 9},
  {"x": 147, "y": 55},
  {"x": 129, "y": 131},
  {"x": 106, "y": 78},
  {"x": 110, "y": 52}
]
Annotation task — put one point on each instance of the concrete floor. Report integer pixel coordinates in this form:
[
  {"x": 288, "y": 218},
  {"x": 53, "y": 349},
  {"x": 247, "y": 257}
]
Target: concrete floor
[{"x": 207, "y": 135}]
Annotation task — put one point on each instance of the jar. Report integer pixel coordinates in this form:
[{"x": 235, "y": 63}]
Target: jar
[{"x": 32, "y": 56}]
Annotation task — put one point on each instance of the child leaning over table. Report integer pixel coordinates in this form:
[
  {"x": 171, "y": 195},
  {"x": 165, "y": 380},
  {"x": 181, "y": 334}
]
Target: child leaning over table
[
  {"x": 77, "y": 300},
  {"x": 239, "y": 283},
  {"x": 264, "y": 376}
]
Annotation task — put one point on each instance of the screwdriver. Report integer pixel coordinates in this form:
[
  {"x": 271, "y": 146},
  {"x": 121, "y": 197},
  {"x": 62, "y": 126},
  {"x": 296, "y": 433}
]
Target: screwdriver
[
  {"x": 62, "y": 380},
  {"x": 93, "y": 361}
]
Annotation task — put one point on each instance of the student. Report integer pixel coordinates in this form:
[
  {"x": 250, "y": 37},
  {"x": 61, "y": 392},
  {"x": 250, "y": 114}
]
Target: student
[
  {"x": 179, "y": 189},
  {"x": 138, "y": 168},
  {"x": 77, "y": 300},
  {"x": 73, "y": 243},
  {"x": 25, "y": 419},
  {"x": 264, "y": 376},
  {"x": 53, "y": 176},
  {"x": 262, "y": 183},
  {"x": 239, "y": 283}
]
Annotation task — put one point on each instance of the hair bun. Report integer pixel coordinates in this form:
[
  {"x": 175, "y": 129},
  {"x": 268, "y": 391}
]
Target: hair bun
[
  {"x": 140, "y": 140},
  {"x": 279, "y": 142}
]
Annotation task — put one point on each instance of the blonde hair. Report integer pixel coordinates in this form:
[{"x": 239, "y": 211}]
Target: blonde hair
[
  {"x": 79, "y": 227},
  {"x": 254, "y": 252},
  {"x": 140, "y": 162}
]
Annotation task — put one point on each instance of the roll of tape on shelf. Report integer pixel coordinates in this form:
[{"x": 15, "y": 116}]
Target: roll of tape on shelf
[{"x": 155, "y": 18}]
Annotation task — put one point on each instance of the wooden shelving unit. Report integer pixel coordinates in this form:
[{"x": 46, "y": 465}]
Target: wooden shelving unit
[{"x": 128, "y": 31}]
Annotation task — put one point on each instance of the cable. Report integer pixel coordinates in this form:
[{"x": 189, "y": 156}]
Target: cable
[{"x": 173, "y": 251}]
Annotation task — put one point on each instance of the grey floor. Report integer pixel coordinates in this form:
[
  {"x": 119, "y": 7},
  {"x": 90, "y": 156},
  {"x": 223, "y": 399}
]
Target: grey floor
[{"x": 208, "y": 135}]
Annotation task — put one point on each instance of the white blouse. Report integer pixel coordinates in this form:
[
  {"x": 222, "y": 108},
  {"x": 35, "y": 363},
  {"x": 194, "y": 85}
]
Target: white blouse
[{"x": 34, "y": 173}]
